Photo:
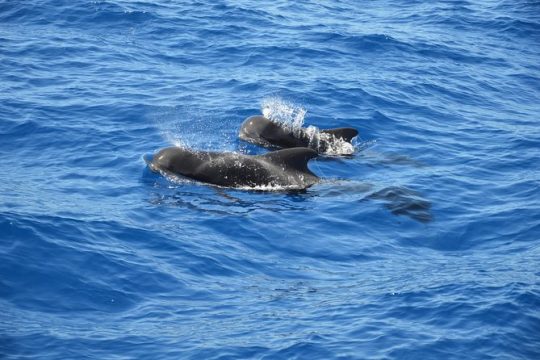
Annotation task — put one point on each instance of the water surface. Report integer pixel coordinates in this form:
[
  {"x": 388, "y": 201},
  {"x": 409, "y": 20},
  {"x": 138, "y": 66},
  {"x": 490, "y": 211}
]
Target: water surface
[{"x": 100, "y": 258}]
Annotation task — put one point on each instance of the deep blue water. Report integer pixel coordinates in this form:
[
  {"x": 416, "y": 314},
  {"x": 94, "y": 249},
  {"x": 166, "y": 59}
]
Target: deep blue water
[{"x": 102, "y": 259}]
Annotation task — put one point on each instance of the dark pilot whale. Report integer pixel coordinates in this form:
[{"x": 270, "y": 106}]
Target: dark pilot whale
[
  {"x": 265, "y": 132},
  {"x": 284, "y": 168}
]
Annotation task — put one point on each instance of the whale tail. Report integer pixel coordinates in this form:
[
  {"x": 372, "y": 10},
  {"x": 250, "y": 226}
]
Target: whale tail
[
  {"x": 346, "y": 134},
  {"x": 293, "y": 158}
]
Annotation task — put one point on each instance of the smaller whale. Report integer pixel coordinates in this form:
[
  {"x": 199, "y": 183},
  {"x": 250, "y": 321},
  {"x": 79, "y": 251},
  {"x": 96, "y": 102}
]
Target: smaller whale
[
  {"x": 262, "y": 131},
  {"x": 278, "y": 169}
]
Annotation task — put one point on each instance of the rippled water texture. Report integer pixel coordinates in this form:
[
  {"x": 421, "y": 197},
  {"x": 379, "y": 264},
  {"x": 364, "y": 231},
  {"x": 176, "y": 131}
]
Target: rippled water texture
[{"x": 424, "y": 244}]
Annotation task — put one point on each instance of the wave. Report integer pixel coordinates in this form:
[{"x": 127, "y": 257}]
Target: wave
[{"x": 104, "y": 259}]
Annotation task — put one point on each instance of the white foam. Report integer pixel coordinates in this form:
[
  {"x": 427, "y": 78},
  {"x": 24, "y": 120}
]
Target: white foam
[
  {"x": 271, "y": 188},
  {"x": 337, "y": 146}
]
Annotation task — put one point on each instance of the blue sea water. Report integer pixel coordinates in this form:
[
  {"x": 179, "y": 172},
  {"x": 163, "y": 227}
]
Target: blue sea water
[{"x": 102, "y": 259}]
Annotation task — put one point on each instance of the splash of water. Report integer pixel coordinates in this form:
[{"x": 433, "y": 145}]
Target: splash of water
[
  {"x": 283, "y": 112},
  {"x": 187, "y": 126},
  {"x": 169, "y": 124}
]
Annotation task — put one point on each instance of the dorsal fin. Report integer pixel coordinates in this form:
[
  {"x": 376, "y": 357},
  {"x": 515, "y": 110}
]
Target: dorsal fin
[
  {"x": 295, "y": 158},
  {"x": 346, "y": 134}
]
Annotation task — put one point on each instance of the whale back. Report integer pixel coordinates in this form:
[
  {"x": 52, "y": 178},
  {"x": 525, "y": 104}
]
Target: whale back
[
  {"x": 265, "y": 132},
  {"x": 281, "y": 169},
  {"x": 260, "y": 130},
  {"x": 284, "y": 168}
]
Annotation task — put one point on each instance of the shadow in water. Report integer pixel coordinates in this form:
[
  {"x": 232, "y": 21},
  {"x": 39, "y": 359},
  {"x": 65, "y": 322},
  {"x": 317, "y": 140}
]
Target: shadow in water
[
  {"x": 398, "y": 200},
  {"x": 403, "y": 201}
]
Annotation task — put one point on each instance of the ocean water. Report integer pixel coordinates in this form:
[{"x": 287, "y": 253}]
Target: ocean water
[{"x": 423, "y": 244}]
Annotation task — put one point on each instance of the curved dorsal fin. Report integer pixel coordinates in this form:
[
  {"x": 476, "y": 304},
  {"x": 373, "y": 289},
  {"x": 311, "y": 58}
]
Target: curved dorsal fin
[
  {"x": 346, "y": 134},
  {"x": 294, "y": 158}
]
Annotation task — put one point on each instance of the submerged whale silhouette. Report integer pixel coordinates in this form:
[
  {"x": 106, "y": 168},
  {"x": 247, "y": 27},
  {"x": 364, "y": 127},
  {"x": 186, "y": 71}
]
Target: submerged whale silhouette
[
  {"x": 265, "y": 132},
  {"x": 278, "y": 169}
]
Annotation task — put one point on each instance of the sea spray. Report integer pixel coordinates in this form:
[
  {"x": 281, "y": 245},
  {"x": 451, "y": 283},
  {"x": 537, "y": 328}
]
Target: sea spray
[{"x": 194, "y": 128}]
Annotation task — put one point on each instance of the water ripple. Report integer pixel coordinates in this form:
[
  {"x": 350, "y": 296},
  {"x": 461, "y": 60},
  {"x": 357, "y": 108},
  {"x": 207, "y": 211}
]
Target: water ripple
[{"x": 421, "y": 244}]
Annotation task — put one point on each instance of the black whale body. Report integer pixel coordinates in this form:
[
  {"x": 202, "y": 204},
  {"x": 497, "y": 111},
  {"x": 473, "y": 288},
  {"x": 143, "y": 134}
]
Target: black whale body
[
  {"x": 265, "y": 132},
  {"x": 284, "y": 168}
]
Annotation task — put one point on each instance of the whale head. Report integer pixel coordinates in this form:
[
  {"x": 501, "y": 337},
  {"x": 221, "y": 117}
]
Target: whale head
[{"x": 175, "y": 160}]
